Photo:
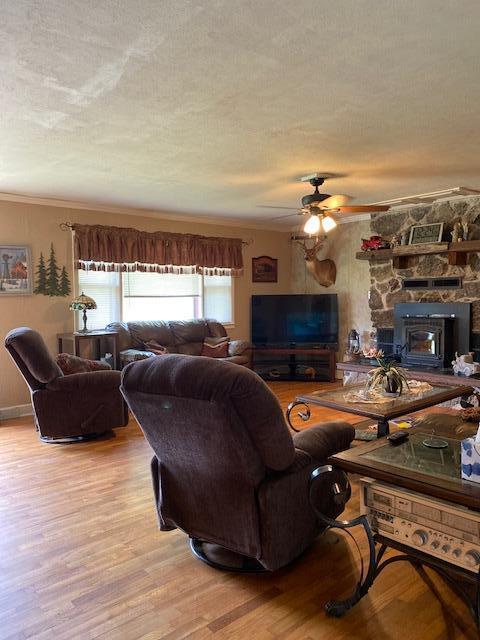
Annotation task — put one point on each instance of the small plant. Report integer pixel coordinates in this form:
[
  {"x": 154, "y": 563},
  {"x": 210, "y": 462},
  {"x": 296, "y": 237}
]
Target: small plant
[{"x": 387, "y": 375}]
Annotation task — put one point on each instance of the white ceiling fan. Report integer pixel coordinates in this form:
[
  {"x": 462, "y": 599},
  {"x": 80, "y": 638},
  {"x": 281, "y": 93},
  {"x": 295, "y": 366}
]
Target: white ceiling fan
[{"x": 323, "y": 208}]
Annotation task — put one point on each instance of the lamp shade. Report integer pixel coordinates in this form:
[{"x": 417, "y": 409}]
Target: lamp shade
[
  {"x": 328, "y": 223},
  {"x": 82, "y": 302},
  {"x": 312, "y": 226}
]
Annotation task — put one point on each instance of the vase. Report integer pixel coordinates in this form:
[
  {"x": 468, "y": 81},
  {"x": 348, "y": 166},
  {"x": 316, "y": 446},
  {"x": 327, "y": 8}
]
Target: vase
[{"x": 391, "y": 386}]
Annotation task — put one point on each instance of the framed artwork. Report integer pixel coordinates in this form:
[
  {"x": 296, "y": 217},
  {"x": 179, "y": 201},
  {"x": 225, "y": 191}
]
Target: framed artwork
[
  {"x": 426, "y": 233},
  {"x": 264, "y": 269},
  {"x": 15, "y": 270}
]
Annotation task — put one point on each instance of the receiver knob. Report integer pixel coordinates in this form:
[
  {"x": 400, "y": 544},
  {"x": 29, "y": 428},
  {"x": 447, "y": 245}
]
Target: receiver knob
[
  {"x": 419, "y": 538},
  {"x": 457, "y": 553},
  {"x": 435, "y": 544},
  {"x": 472, "y": 558},
  {"x": 446, "y": 548}
]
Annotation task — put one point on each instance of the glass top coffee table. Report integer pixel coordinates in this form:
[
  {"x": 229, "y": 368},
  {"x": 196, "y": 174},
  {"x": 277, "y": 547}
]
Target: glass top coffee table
[
  {"x": 383, "y": 411},
  {"x": 415, "y": 466}
]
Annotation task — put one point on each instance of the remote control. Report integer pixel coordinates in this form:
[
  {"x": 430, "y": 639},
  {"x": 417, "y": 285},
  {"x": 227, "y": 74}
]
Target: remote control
[{"x": 398, "y": 437}]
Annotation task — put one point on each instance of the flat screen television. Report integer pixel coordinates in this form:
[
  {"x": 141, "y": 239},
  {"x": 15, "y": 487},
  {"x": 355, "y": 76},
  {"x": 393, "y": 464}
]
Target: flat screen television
[{"x": 295, "y": 319}]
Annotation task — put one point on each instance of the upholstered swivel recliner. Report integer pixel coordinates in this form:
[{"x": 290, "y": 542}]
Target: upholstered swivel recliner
[
  {"x": 226, "y": 469},
  {"x": 70, "y": 407}
]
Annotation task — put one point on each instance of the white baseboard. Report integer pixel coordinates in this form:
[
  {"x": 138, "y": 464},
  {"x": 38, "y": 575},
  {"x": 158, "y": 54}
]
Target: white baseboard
[{"x": 18, "y": 411}]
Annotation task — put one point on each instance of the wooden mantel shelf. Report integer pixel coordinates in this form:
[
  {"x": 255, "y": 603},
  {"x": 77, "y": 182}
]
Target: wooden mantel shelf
[{"x": 457, "y": 252}]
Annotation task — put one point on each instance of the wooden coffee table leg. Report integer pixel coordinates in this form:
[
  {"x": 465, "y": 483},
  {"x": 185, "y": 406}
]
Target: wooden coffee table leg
[{"x": 383, "y": 428}]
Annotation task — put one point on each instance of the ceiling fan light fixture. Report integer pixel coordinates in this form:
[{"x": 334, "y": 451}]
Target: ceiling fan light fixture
[
  {"x": 314, "y": 198},
  {"x": 312, "y": 225},
  {"x": 328, "y": 223}
]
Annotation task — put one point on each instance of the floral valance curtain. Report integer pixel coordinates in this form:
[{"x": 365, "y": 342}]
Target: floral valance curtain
[{"x": 105, "y": 248}]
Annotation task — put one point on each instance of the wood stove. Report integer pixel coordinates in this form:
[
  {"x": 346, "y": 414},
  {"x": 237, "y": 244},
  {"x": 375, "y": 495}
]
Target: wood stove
[{"x": 428, "y": 341}]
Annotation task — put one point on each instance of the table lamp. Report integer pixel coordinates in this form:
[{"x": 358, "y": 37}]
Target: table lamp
[{"x": 82, "y": 303}]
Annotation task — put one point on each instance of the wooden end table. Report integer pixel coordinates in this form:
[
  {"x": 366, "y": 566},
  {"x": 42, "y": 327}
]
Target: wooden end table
[{"x": 77, "y": 337}]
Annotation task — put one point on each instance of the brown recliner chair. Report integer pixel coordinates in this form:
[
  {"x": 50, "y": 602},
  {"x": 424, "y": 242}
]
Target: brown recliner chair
[
  {"x": 66, "y": 408},
  {"x": 226, "y": 469}
]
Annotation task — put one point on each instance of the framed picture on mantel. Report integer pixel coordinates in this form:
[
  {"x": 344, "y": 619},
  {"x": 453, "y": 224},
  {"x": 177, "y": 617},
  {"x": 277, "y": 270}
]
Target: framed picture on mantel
[
  {"x": 264, "y": 269},
  {"x": 426, "y": 233}
]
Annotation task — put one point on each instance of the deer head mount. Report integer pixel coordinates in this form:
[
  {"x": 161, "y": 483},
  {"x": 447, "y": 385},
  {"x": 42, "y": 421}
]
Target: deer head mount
[{"x": 324, "y": 271}]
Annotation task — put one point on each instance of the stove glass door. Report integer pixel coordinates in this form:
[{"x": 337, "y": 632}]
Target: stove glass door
[{"x": 422, "y": 342}]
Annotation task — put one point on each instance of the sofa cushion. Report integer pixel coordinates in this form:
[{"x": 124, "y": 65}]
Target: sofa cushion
[
  {"x": 143, "y": 332},
  {"x": 73, "y": 364},
  {"x": 124, "y": 337},
  {"x": 188, "y": 331},
  {"x": 190, "y": 348},
  {"x": 216, "y": 329}
]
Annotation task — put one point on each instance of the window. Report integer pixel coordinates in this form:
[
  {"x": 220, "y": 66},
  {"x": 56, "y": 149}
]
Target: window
[
  {"x": 218, "y": 298},
  {"x": 161, "y": 296},
  {"x": 156, "y": 296},
  {"x": 104, "y": 288}
]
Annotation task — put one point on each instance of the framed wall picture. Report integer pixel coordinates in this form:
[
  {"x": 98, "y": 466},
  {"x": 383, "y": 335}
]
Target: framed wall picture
[
  {"x": 15, "y": 270},
  {"x": 264, "y": 269},
  {"x": 426, "y": 233}
]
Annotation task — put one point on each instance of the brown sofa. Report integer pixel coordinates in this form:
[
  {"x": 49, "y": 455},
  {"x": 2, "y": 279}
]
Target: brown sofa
[
  {"x": 66, "y": 407},
  {"x": 226, "y": 469},
  {"x": 185, "y": 337}
]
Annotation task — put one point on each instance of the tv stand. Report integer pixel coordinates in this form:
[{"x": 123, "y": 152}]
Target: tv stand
[{"x": 301, "y": 363}]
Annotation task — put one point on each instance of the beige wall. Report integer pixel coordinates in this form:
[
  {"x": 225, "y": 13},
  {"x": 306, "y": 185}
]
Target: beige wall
[
  {"x": 353, "y": 278},
  {"x": 38, "y": 226}
]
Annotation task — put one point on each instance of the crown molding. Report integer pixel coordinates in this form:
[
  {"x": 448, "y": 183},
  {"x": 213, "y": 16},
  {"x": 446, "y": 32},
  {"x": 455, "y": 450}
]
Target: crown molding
[
  {"x": 432, "y": 196},
  {"x": 137, "y": 211}
]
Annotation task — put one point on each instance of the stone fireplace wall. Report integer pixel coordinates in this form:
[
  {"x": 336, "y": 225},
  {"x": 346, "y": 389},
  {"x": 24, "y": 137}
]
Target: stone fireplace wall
[{"x": 386, "y": 281}]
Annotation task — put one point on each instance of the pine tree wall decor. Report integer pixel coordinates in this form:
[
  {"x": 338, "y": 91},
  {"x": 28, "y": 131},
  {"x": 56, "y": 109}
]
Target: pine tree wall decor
[
  {"x": 41, "y": 277},
  {"x": 52, "y": 274},
  {"x": 50, "y": 279},
  {"x": 65, "y": 288}
]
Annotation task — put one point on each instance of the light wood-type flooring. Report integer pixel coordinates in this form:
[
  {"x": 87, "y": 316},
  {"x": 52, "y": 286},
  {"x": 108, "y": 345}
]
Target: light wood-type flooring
[{"x": 81, "y": 558}]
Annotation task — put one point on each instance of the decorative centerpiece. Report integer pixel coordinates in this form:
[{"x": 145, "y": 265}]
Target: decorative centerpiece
[
  {"x": 82, "y": 303},
  {"x": 387, "y": 376}
]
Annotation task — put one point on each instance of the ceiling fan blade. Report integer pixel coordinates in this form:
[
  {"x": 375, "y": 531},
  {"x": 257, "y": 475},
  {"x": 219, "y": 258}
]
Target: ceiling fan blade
[
  {"x": 289, "y": 215},
  {"x": 273, "y": 206},
  {"x": 333, "y": 202},
  {"x": 362, "y": 208}
]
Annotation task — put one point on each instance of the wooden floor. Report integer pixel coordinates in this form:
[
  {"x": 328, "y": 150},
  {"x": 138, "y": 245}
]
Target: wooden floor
[{"x": 81, "y": 557}]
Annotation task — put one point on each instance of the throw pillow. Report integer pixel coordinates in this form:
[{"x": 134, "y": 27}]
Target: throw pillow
[
  {"x": 212, "y": 342},
  {"x": 155, "y": 347},
  {"x": 73, "y": 364},
  {"x": 215, "y": 347}
]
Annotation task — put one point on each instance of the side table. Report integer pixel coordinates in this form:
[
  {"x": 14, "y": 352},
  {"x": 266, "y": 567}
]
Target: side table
[{"x": 99, "y": 338}]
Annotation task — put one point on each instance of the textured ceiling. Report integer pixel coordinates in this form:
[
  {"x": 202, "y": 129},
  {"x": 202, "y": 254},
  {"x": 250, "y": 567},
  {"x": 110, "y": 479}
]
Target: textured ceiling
[{"x": 215, "y": 106}]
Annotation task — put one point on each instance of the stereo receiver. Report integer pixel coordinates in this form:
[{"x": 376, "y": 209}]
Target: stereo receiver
[{"x": 436, "y": 527}]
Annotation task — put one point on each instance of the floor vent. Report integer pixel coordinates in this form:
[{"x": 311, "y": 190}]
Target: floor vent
[{"x": 432, "y": 283}]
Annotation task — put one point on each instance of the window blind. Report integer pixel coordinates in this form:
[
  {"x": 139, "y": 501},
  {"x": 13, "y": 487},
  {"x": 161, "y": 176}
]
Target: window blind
[
  {"x": 217, "y": 302},
  {"x": 140, "y": 284},
  {"x": 104, "y": 288}
]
